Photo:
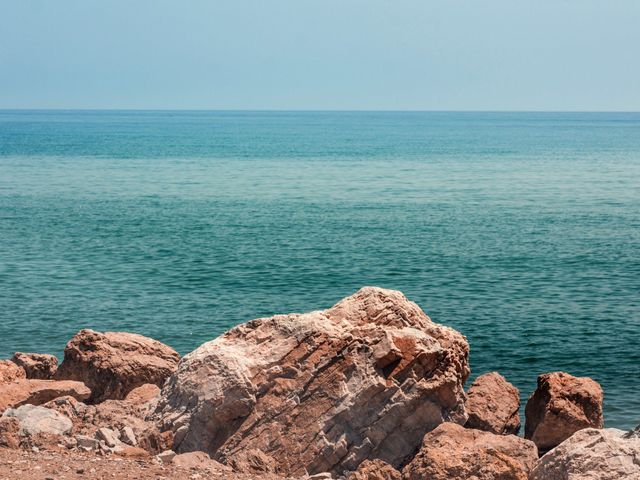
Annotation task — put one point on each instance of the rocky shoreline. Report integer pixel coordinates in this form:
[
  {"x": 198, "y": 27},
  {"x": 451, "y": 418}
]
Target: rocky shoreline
[{"x": 368, "y": 389}]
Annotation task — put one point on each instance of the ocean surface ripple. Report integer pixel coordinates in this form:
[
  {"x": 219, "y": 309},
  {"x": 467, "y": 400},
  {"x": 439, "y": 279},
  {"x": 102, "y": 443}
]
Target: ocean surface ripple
[{"x": 521, "y": 230}]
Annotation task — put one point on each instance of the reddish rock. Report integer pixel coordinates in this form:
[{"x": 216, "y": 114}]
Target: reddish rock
[
  {"x": 39, "y": 366},
  {"x": 322, "y": 391},
  {"x": 114, "y": 363},
  {"x": 9, "y": 432},
  {"x": 37, "y": 392},
  {"x": 9, "y": 372},
  {"x": 252, "y": 461},
  {"x": 561, "y": 405},
  {"x": 493, "y": 405},
  {"x": 143, "y": 394},
  {"x": 375, "y": 470},
  {"x": 199, "y": 460},
  {"x": 451, "y": 452}
]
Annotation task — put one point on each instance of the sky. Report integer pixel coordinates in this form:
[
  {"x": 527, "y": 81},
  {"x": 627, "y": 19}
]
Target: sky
[{"x": 321, "y": 54}]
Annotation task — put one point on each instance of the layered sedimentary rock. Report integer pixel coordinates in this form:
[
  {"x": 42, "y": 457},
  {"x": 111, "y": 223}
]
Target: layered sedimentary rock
[
  {"x": 451, "y": 452},
  {"x": 9, "y": 371},
  {"x": 493, "y": 405},
  {"x": 39, "y": 366},
  {"x": 37, "y": 392},
  {"x": 321, "y": 391},
  {"x": 114, "y": 363},
  {"x": 561, "y": 405},
  {"x": 592, "y": 454}
]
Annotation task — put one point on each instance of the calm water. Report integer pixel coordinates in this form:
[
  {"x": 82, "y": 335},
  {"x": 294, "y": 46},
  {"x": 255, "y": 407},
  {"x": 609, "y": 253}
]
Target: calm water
[{"x": 520, "y": 230}]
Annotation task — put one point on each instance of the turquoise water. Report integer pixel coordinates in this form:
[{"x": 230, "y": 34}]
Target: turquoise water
[{"x": 521, "y": 230}]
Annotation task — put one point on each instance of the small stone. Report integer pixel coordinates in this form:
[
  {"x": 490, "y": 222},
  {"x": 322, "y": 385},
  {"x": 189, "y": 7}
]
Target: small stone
[
  {"x": 166, "y": 456},
  {"x": 128, "y": 437},
  {"x": 108, "y": 436}
]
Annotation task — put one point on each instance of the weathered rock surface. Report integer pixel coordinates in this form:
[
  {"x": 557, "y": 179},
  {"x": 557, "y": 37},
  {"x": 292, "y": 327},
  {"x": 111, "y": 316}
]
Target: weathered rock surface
[
  {"x": 115, "y": 415},
  {"x": 34, "y": 420},
  {"x": 561, "y": 405},
  {"x": 375, "y": 470},
  {"x": 493, "y": 405},
  {"x": 592, "y": 454},
  {"x": 143, "y": 394},
  {"x": 9, "y": 372},
  {"x": 451, "y": 452},
  {"x": 37, "y": 392},
  {"x": 199, "y": 460},
  {"x": 321, "y": 391},
  {"x": 9, "y": 432},
  {"x": 114, "y": 363},
  {"x": 39, "y": 366}
]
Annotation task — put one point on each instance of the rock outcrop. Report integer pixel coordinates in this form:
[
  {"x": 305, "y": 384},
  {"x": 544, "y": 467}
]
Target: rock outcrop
[
  {"x": 117, "y": 415},
  {"x": 493, "y": 405},
  {"x": 37, "y": 392},
  {"x": 34, "y": 420},
  {"x": 375, "y": 470},
  {"x": 39, "y": 366},
  {"x": 561, "y": 405},
  {"x": 322, "y": 391},
  {"x": 592, "y": 454},
  {"x": 9, "y": 372},
  {"x": 114, "y": 363},
  {"x": 451, "y": 452}
]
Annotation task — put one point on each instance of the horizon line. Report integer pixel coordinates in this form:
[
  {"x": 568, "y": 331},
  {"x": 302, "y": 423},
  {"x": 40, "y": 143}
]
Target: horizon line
[{"x": 301, "y": 110}]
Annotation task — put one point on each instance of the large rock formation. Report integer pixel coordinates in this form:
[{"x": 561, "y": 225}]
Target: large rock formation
[
  {"x": 114, "y": 363},
  {"x": 493, "y": 405},
  {"x": 561, "y": 405},
  {"x": 9, "y": 372},
  {"x": 451, "y": 452},
  {"x": 40, "y": 366},
  {"x": 592, "y": 454},
  {"x": 37, "y": 392},
  {"x": 321, "y": 391}
]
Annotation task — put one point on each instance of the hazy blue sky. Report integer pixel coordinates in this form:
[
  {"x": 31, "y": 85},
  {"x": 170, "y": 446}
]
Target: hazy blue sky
[{"x": 321, "y": 54}]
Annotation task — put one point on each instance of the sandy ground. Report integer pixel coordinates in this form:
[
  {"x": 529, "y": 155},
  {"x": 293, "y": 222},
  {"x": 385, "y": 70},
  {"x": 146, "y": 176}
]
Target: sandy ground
[{"x": 61, "y": 465}]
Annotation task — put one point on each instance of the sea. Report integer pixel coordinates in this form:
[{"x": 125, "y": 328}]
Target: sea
[{"x": 520, "y": 230}]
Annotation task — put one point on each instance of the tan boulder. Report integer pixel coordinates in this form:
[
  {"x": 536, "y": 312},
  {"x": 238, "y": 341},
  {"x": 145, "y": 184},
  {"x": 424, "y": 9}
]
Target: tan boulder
[
  {"x": 451, "y": 452},
  {"x": 592, "y": 454},
  {"x": 35, "y": 420},
  {"x": 561, "y": 405},
  {"x": 322, "y": 391},
  {"x": 493, "y": 405},
  {"x": 198, "y": 460},
  {"x": 375, "y": 470},
  {"x": 114, "y": 363},
  {"x": 9, "y": 372},
  {"x": 37, "y": 392},
  {"x": 39, "y": 366}
]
